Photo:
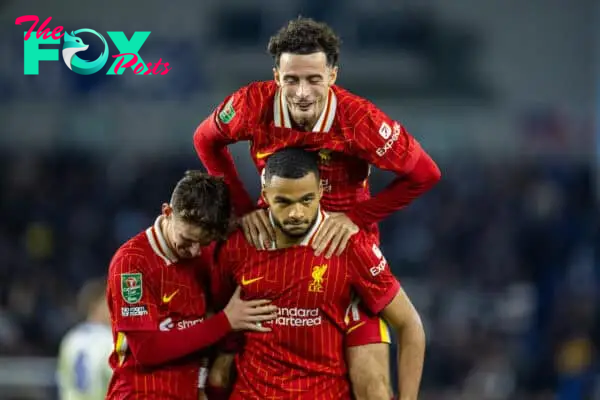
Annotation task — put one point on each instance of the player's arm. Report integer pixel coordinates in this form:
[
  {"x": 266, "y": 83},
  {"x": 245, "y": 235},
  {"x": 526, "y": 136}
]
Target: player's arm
[
  {"x": 227, "y": 257},
  {"x": 404, "y": 319},
  {"x": 136, "y": 318},
  {"x": 382, "y": 294},
  {"x": 386, "y": 144},
  {"x": 226, "y": 125}
]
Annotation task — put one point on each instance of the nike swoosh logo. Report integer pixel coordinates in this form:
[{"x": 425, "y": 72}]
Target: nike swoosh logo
[
  {"x": 249, "y": 281},
  {"x": 355, "y": 327},
  {"x": 167, "y": 299},
  {"x": 260, "y": 155}
]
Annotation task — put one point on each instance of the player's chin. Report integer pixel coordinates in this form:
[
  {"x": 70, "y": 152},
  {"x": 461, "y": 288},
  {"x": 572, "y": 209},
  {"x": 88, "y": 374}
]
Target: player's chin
[
  {"x": 296, "y": 230},
  {"x": 187, "y": 254}
]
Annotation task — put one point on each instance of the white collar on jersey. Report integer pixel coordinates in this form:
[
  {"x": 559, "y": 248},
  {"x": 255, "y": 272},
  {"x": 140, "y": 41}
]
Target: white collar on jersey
[
  {"x": 281, "y": 114},
  {"x": 158, "y": 242},
  {"x": 321, "y": 216}
]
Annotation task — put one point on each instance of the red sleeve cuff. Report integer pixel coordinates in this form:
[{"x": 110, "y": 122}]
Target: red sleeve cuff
[
  {"x": 222, "y": 324},
  {"x": 377, "y": 305}
]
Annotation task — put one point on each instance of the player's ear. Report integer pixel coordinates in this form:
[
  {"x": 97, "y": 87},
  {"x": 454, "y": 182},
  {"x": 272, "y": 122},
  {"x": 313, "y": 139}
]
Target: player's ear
[
  {"x": 276, "y": 75},
  {"x": 333, "y": 72},
  {"x": 263, "y": 193},
  {"x": 166, "y": 209}
]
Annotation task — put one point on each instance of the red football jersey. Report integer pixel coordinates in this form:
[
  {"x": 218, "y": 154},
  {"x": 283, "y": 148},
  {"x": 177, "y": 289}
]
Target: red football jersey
[
  {"x": 148, "y": 289},
  {"x": 303, "y": 357},
  {"x": 350, "y": 134}
]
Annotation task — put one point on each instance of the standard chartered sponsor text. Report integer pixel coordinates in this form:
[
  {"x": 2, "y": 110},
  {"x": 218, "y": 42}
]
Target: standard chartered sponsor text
[{"x": 297, "y": 317}]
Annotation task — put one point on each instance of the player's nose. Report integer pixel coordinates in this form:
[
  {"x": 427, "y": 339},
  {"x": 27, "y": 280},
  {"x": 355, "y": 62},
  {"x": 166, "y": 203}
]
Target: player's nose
[
  {"x": 296, "y": 212},
  {"x": 195, "y": 249},
  {"x": 302, "y": 90}
]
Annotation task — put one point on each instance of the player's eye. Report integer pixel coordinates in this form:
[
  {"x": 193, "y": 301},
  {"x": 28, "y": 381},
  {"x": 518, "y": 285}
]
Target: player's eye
[
  {"x": 290, "y": 80},
  {"x": 315, "y": 81},
  {"x": 185, "y": 241}
]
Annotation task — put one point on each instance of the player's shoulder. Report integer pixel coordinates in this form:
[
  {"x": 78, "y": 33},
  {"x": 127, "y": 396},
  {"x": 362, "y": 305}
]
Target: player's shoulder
[
  {"x": 233, "y": 247},
  {"x": 352, "y": 107},
  {"x": 237, "y": 241},
  {"x": 248, "y": 105},
  {"x": 135, "y": 252},
  {"x": 264, "y": 89},
  {"x": 363, "y": 242},
  {"x": 254, "y": 94},
  {"x": 69, "y": 337}
]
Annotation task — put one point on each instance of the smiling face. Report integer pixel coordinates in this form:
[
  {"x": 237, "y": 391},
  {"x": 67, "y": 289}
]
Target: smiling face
[{"x": 305, "y": 80}]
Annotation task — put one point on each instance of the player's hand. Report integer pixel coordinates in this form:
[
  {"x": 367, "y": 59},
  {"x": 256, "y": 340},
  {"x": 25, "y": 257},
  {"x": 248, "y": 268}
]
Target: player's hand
[
  {"x": 257, "y": 226},
  {"x": 248, "y": 315},
  {"x": 334, "y": 235}
]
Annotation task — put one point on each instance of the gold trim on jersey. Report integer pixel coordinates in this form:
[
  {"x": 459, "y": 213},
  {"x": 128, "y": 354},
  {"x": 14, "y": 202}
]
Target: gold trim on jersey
[
  {"x": 121, "y": 347},
  {"x": 158, "y": 243}
]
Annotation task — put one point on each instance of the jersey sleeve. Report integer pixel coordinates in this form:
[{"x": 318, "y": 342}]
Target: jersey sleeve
[
  {"x": 370, "y": 274},
  {"x": 233, "y": 115},
  {"x": 132, "y": 298},
  {"x": 381, "y": 141},
  {"x": 226, "y": 125}
]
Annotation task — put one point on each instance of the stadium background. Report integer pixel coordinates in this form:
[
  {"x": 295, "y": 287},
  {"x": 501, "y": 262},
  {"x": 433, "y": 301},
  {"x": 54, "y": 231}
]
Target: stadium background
[{"x": 499, "y": 257}]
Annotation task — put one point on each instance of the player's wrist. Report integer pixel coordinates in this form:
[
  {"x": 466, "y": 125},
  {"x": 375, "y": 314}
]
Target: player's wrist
[{"x": 222, "y": 321}]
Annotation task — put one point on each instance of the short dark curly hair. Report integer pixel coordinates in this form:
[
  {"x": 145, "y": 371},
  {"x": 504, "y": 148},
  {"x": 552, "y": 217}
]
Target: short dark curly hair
[
  {"x": 305, "y": 36},
  {"x": 291, "y": 163},
  {"x": 203, "y": 200}
]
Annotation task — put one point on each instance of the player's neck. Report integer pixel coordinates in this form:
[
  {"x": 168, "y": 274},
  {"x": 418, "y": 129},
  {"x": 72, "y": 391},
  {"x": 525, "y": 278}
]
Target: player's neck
[
  {"x": 165, "y": 233},
  {"x": 283, "y": 241},
  {"x": 305, "y": 126}
]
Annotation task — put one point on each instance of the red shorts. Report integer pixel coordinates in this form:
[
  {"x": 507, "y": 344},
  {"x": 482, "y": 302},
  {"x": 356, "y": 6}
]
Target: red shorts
[{"x": 362, "y": 327}]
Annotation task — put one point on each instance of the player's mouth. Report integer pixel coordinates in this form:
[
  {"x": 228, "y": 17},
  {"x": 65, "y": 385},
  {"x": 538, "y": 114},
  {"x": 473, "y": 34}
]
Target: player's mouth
[
  {"x": 187, "y": 253},
  {"x": 304, "y": 106},
  {"x": 294, "y": 226}
]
